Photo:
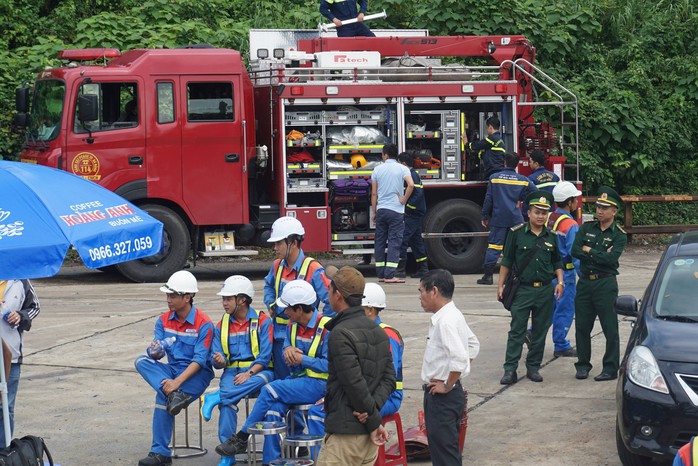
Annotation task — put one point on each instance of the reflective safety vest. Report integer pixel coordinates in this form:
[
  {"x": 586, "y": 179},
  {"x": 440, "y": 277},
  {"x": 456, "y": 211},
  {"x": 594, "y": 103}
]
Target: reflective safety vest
[
  {"x": 302, "y": 275},
  {"x": 394, "y": 335},
  {"x": 689, "y": 453},
  {"x": 314, "y": 345},
  {"x": 554, "y": 221},
  {"x": 254, "y": 341}
]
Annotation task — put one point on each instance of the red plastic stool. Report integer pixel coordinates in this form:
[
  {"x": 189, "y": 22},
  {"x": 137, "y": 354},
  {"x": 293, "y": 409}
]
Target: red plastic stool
[{"x": 388, "y": 459}]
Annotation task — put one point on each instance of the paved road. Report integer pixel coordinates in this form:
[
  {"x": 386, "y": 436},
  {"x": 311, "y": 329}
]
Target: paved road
[{"x": 79, "y": 389}]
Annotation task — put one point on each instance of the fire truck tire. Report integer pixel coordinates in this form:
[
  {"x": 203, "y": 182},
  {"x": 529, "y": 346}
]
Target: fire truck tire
[
  {"x": 176, "y": 243},
  {"x": 457, "y": 255}
]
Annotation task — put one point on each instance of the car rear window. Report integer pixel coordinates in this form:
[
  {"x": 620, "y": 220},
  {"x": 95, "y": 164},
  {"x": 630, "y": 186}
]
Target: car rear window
[{"x": 678, "y": 292}]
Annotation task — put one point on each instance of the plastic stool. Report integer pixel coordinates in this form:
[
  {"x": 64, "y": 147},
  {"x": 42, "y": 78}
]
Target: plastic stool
[
  {"x": 262, "y": 428},
  {"x": 293, "y": 442},
  {"x": 194, "y": 449},
  {"x": 388, "y": 459}
]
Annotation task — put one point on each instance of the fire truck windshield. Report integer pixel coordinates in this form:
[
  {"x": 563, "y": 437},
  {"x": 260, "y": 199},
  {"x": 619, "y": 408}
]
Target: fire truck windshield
[{"x": 47, "y": 109}]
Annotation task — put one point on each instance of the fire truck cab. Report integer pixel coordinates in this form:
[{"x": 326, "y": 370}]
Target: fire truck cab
[{"x": 218, "y": 150}]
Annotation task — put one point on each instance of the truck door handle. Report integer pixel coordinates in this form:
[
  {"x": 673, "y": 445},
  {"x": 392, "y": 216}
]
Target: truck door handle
[
  {"x": 135, "y": 160},
  {"x": 232, "y": 158}
]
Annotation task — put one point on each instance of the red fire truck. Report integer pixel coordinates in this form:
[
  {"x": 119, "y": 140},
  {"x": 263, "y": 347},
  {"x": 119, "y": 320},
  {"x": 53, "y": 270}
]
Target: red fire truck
[{"x": 218, "y": 150}]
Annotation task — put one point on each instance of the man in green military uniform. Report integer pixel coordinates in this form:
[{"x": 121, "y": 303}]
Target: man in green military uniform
[
  {"x": 535, "y": 295},
  {"x": 598, "y": 246}
]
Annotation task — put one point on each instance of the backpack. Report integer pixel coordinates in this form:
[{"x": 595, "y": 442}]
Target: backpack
[{"x": 27, "y": 451}]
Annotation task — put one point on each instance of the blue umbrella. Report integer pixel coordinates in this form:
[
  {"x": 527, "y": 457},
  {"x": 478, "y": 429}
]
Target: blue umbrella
[{"x": 43, "y": 211}]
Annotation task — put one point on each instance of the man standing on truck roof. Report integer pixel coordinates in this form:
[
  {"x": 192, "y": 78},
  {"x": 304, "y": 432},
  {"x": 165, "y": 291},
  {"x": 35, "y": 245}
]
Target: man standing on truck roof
[
  {"x": 342, "y": 10},
  {"x": 501, "y": 211}
]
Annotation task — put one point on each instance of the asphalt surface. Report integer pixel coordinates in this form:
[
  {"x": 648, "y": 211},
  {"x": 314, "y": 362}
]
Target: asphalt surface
[{"x": 80, "y": 391}]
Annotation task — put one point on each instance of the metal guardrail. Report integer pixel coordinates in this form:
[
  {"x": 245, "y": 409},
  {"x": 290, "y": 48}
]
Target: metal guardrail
[{"x": 651, "y": 229}]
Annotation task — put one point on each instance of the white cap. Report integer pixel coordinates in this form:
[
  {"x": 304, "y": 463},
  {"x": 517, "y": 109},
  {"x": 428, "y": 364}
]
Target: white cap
[
  {"x": 565, "y": 190},
  {"x": 374, "y": 296},
  {"x": 235, "y": 285},
  {"x": 296, "y": 292},
  {"x": 180, "y": 282},
  {"x": 284, "y": 227}
]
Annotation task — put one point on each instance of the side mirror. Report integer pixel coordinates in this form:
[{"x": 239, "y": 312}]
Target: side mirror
[
  {"x": 22, "y": 119},
  {"x": 88, "y": 107},
  {"x": 22, "y": 100},
  {"x": 626, "y": 305}
]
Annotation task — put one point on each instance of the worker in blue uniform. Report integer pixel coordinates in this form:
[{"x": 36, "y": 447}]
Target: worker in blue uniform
[
  {"x": 188, "y": 370},
  {"x": 242, "y": 346},
  {"x": 565, "y": 227},
  {"x": 415, "y": 209},
  {"x": 305, "y": 352},
  {"x": 491, "y": 149},
  {"x": 342, "y": 10},
  {"x": 506, "y": 191},
  {"x": 373, "y": 302},
  {"x": 540, "y": 177}
]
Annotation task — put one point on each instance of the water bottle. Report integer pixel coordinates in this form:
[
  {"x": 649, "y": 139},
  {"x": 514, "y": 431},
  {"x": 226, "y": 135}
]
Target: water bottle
[
  {"x": 6, "y": 316},
  {"x": 163, "y": 345}
]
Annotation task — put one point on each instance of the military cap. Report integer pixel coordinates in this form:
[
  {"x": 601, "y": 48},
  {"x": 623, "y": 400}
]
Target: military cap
[
  {"x": 608, "y": 197},
  {"x": 541, "y": 199}
]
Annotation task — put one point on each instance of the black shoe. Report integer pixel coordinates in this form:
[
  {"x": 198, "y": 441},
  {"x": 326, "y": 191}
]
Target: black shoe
[
  {"x": 303, "y": 452},
  {"x": 568, "y": 353},
  {"x": 486, "y": 280},
  {"x": 177, "y": 401},
  {"x": 528, "y": 339},
  {"x": 509, "y": 378},
  {"x": 421, "y": 271},
  {"x": 155, "y": 459},
  {"x": 604, "y": 376},
  {"x": 534, "y": 376},
  {"x": 231, "y": 447},
  {"x": 400, "y": 272},
  {"x": 581, "y": 374}
]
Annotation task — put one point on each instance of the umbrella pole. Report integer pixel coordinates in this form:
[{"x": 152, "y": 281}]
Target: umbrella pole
[{"x": 5, "y": 403}]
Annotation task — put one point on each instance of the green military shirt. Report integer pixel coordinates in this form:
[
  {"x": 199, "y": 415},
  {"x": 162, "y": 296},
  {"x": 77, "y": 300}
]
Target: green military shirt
[
  {"x": 599, "y": 259},
  {"x": 519, "y": 243}
]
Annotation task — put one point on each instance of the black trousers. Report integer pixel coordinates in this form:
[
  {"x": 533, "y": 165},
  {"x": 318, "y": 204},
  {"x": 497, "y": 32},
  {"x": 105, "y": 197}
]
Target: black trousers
[{"x": 442, "y": 414}]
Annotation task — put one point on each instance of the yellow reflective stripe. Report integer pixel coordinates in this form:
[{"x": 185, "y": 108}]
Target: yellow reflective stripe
[
  {"x": 391, "y": 264},
  {"x": 277, "y": 280},
  {"x": 545, "y": 185},
  {"x": 418, "y": 186},
  {"x": 240, "y": 364},
  {"x": 304, "y": 267},
  {"x": 225, "y": 330},
  {"x": 498, "y": 149},
  {"x": 569, "y": 266},
  {"x": 410, "y": 206},
  {"x": 694, "y": 451},
  {"x": 314, "y": 347},
  {"x": 281, "y": 320},
  {"x": 511, "y": 182},
  {"x": 398, "y": 385},
  {"x": 498, "y": 247},
  {"x": 252, "y": 330},
  {"x": 421, "y": 259},
  {"x": 380, "y": 264}
]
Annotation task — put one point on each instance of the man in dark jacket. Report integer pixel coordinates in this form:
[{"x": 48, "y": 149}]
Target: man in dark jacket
[{"x": 361, "y": 377}]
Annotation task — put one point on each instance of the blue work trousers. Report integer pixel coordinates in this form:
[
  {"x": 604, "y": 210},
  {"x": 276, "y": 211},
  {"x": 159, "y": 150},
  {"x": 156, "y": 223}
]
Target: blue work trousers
[
  {"x": 231, "y": 395},
  {"x": 12, "y": 386},
  {"x": 154, "y": 372},
  {"x": 563, "y": 312},
  {"x": 412, "y": 237},
  {"x": 390, "y": 226},
  {"x": 354, "y": 30},
  {"x": 274, "y": 400},
  {"x": 495, "y": 245}
]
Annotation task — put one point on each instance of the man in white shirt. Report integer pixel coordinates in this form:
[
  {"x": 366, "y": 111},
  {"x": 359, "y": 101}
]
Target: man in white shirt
[
  {"x": 388, "y": 199},
  {"x": 451, "y": 345}
]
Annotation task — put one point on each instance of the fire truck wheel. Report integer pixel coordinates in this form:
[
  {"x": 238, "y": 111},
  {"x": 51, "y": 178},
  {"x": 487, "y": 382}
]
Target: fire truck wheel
[
  {"x": 175, "y": 249},
  {"x": 458, "y": 254}
]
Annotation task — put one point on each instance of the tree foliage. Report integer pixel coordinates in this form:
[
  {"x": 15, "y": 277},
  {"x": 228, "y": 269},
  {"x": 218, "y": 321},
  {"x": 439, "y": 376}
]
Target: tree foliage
[{"x": 632, "y": 63}]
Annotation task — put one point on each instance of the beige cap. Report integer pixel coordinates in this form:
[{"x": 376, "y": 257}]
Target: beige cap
[{"x": 349, "y": 282}]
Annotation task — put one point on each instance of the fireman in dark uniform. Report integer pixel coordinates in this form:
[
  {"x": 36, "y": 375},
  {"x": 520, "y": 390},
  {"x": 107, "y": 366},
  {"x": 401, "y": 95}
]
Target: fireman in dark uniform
[
  {"x": 501, "y": 210},
  {"x": 598, "y": 246},
  {"x": 542, "y": 178},
  {"x": 491, "y": 149},
  {"x": 535, "y": 295},
  {"x": 342, "y": 10},
  {"x": 415, "y": 209}
]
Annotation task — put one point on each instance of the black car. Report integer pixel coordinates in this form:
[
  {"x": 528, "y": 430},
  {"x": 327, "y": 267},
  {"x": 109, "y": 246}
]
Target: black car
[{"x": 657, "y": 392}]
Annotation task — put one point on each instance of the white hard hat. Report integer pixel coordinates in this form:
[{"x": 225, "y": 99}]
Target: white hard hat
[
  {"x": 296, "y": 292},
  {"x": 180, "y": 282},
  {"x": 235, "y": 285},
  {"x": 374, "y": 296},
  {"x": 284, "y": 227},
  {"x": 565, "y": 190}
]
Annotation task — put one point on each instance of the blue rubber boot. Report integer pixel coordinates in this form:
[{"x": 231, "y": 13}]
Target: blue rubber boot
[
  {"x": 210, "y": 401},
  {"x": 227, "y": 460}
]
